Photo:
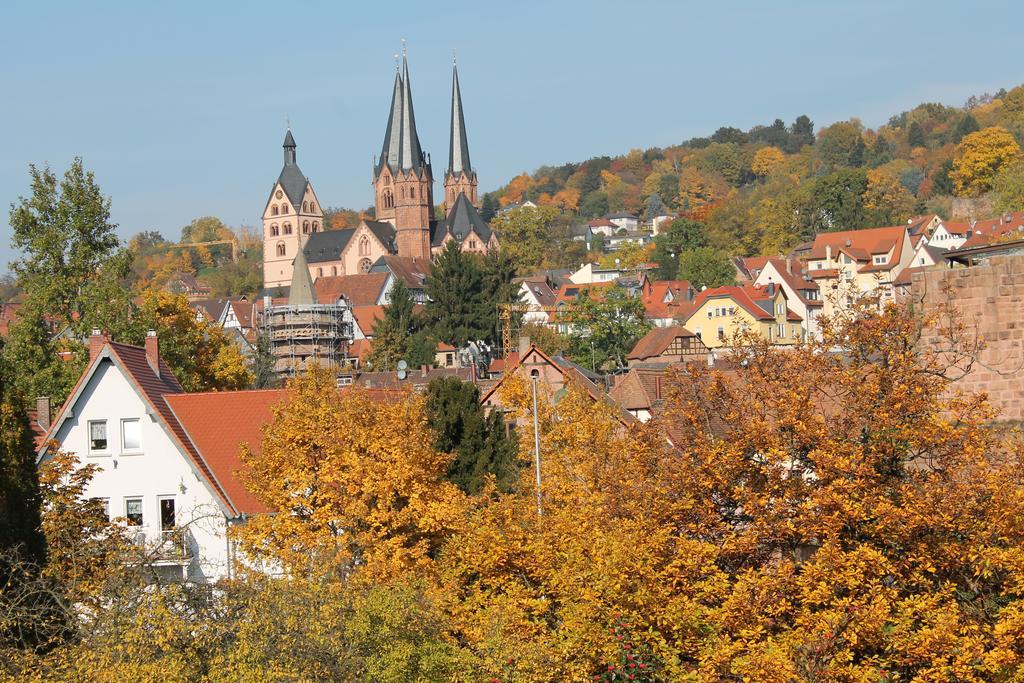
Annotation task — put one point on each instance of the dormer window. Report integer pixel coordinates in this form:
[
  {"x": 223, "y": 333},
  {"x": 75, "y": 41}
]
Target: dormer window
[{"x": 881, "y": 259}]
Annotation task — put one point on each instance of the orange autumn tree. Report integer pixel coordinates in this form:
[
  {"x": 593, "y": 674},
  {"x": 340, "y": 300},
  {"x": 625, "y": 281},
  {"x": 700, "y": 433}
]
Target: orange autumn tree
[
  {"x": 352, "y": 479},
  {"x": 869, "y": 521}
]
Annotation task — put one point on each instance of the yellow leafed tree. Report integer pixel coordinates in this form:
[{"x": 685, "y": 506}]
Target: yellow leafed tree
[{"x": 979, "y": 157}]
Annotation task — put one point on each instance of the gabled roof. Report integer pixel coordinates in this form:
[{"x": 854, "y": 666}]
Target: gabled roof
[
  {"x": 211, "y": 309},
  {"x": 153, "y": 388},
  {"x": 569, "y": 371},
  {"x": 755, "y": 300},
  {"x": 668, "y": 299},
  {"x": 794, "y": 277},
  {"x": 641, "y": 388},
  {"x": 383, "y": 231},
  {"x": 363, "y": 289},
  {"x": 413, "y": 272},
  {"x": 460, "y": 221},
  {"x": 862, "y": 244},
  {"x": 458, "y": 147},
  {"x": 991, "y": 229},
  {"x": 367, "y": 317},
  {"x": 657, "y": 341},
  {"x": 541, "y": 289}
]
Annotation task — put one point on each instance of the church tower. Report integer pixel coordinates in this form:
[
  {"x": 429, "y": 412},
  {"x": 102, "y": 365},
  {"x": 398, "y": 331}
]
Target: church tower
[
  {"x": 292, "y": 214},
  {"x": 460, "y": 178},
  {"x": 403, "y": 180}
]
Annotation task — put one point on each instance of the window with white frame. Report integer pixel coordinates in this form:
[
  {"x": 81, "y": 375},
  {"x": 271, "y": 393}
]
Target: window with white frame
[
  {"x": 881, "y": 259},
  {"x": 782, "y": 331},
  {"x": 131, "y": 435},
  {"x": 133, "y": 511},
  {"x": 97, "y": 436}
]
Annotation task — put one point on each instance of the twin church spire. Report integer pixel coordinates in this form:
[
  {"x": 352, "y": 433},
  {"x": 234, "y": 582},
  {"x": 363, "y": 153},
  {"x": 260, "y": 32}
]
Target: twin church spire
[{"x": 403, "y": 177}]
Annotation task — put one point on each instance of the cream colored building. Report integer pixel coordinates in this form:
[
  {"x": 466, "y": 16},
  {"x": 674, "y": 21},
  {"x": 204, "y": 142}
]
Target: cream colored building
[{"x": 853, "y": 263}]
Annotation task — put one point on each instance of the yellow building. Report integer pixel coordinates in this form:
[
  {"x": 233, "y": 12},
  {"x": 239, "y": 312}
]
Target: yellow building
[{"x": 721, "y": 312}]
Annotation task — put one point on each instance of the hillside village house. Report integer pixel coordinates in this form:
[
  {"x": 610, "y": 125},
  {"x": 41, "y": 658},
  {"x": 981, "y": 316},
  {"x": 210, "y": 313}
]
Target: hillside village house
[
  {"x": 852, "y": 263},
  {"x": 802, "y": 293},
  {"x": 721, "y": 312}
]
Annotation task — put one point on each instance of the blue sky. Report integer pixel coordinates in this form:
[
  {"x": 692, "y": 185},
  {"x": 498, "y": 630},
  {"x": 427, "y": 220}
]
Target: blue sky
[{"x": 180, "y": 108}]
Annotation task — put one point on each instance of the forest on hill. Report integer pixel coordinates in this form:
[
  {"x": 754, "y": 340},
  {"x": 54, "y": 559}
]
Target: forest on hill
[{"x": 764, "y": 190}]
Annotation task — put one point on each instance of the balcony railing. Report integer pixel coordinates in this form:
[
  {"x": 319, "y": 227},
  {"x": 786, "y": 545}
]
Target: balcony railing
[{"x": 165, "y": 545}]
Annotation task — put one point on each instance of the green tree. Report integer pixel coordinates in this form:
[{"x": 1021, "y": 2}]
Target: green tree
[
  {"x": 205, "y": 229},
  {"x": 837, "y": 144},
  {"x": 604, "y": 327},
  {"x": 523, "y": 233},
  {"x": 480, "y": 444},
  {"x": 393, "y": 333},
  {"x": 456, "y": 311},
  {"x": 801, "y": 133},
  {"x": 262, "y": 363},
  {"x": 489, "y": 207},
  {"x": 964, "y": 127},
  {"x": 594, "y": 204},
  {"x": 706, "y": 267},
  {"x": 1008, "y": 187},
  {"x": 942, "y": 184},
  {"x": 915, "y": 135},
  {"x": 837, "y": 201},
  {"x": 681, "y": 235}
]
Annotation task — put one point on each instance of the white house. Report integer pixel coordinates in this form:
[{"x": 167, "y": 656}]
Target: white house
[
  {"x": 589, "y": 273},
  {"x": 624, "y": 221},
  {"x": 166, "y": 460},
  {"x": 803, "y": 295}
]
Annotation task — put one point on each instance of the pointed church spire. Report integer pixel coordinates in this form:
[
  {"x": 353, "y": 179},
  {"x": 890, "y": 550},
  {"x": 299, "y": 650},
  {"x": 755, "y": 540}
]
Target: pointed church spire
[
  {"x": 289, "y": 148},
  {"x": 301, "y": 291},
  {"x": 410, "y": 155},
  {"x": 458, "y": 148},
  {"x": 393, "y": 134}
]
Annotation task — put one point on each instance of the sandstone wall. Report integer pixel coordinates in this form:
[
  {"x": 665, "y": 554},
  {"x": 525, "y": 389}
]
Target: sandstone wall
[{"x": 991, "y": 299}]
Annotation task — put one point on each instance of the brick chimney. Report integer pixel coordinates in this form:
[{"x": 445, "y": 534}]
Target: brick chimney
[
  {"x": 96, "y": 342},
  {"x": 153, "y": 351},
  {"x": 43, "y": 412}
]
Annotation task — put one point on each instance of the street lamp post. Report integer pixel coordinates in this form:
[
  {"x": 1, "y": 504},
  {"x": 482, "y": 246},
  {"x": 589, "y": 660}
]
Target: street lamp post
[{"x": 536, "y": 441}]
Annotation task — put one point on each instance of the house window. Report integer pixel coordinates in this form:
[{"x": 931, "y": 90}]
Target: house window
[
  {"x": 305, "y": 206},
  {"x": 319, "y": 272},
  {"x": 167, "y": 516},
  {"x": 305, "y": 227},
  {"x": 98, "y": 436},
  {"x": 287, "y": 228},
  {"x": 389, "y": 200},
  {"x": 133, "y": 511},
  {"x": 131, "y": 436},
  {"x": 312, "y": 208},
  {"x": 274, "y": 230},
  {"x": 284, "y": 208},
  {"x": 316, "y": 226},
  {"x": 696, "y": 333},
  {"x": 280, "y": 249},
  {"x": 364, "y": 246},
  {"x": 881, "y": 259},
  {"x": 847, "y": 259},
  {"x": 721, "y": 333},
  {"x": 782, "y": 331},
  {"x": 273, "y": 210},
  {"x": 412, "y": 192},
  {"x": 334, "y": 270}
]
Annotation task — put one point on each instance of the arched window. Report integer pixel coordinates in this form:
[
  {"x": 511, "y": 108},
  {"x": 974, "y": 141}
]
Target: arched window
[
  {"x": 364, "y": 265},
  {"x": 389, "y": 201},
  {"x": 412, "y": 193},
  {"x": 403, "y": 193},
  {"x": 316, "y": 226},
  {"x": 287, "y": 228},
  {"x": 305, "y": 227},
  {"x": 364, "y": 246},
  {"x": 273, "y": 209},
  {"x": 280, "y": 249},
  {"x": 312, "y": 207},
  {"x": 334, "y": 270},
  {"x": 305, "y": 207},
  {"x": 274, "y": 230},
  {"x": 387, "y": 180},
  {"x": 284, "y": 208}
]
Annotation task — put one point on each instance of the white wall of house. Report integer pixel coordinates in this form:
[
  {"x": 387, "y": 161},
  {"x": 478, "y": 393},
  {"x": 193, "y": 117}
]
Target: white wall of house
[
  {"x": 942, "y": 237},
  {"x": 769, "y": 274},
  {"x": 155, "y": 471}
]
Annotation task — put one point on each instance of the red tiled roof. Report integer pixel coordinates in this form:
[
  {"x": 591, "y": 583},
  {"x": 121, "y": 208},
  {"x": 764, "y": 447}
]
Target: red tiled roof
[
  {"x": 360, "y": 349},
  {"x": 243, "y": 312},
  {"x": 208, "y": 420},
  {"x": 992, "y": 229},
  {"x": 363, "y": 289},
  {"x": 861, "y": 244},
  {"x": 745, "y": 296},
  {"x": 367, "y": 317},
  {"x": 679, "y": 307},
  {"x": 657, "y": 341},
  {"x": 794, "y": 278},
  {"x": 410, "y": 270},
  {"x": 443, "y": 346}
]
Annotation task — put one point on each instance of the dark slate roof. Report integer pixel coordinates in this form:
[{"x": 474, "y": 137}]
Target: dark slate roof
[
  {"x": 327, "y": 245},
  {"x": 458, "y": 146},
  {"x": 460, "y": 220},
  {"x": 393, "y": 133},
  {"x": 410, "y": 155},
  {"x": 385, "y": 232},
  {"x": 292, "y": 181}
]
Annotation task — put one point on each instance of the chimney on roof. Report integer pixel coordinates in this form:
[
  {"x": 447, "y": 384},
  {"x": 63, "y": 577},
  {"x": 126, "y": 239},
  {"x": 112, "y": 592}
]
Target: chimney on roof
[
  {"x": 789, "y": 266},
  {"x": 828, "y": 252},
  {"x": 153, "y": 351},
  {"x": 424, "y": 369},
  {"x": 524, "y": 347},
  {"x": 97, "y": 340},
  {"x": 43, "y": 412}
]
